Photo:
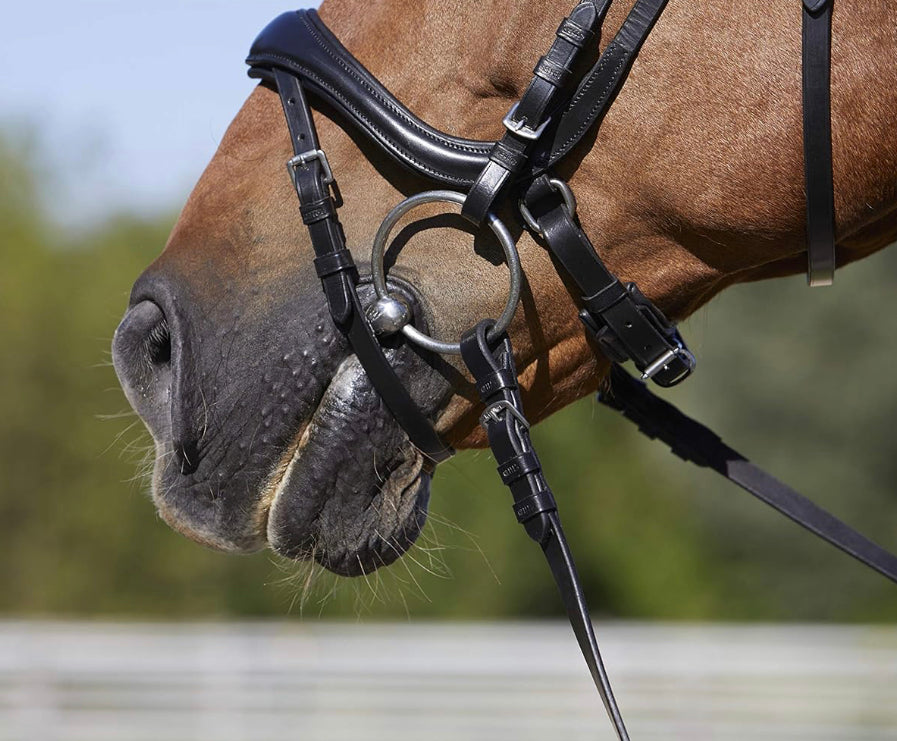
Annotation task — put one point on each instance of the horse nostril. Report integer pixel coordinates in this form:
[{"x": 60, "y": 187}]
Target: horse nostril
[
  {"x": 158, "y": 343},
  {"x": 156, "y": 368}
]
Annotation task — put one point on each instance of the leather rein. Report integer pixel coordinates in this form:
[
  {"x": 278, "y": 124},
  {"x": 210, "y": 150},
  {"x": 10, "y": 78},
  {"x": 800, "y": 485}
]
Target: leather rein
[{"x": 298, "y": 54}]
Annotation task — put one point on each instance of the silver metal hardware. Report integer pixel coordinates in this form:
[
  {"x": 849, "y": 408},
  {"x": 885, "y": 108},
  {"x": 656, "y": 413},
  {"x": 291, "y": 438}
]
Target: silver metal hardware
[
  {"x": 378, "y": 271},
  {"x": 569, "y": 202},
  {"x": 494, "y": 413},
  {"x": 524, "y": 131},
  {"x": 388, "y": 315},
  {"x": 820, "y": 276},
  {"x": 303, "y": 158},
  {"x": 664, "y": 360}
]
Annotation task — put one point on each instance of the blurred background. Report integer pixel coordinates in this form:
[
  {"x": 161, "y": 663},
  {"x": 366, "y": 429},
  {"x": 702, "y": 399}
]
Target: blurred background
[{"x": 101, "y": 139}]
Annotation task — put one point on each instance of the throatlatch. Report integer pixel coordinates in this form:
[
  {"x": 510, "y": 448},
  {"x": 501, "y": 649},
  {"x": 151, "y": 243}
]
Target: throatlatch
[{"x": 297, "y": 52}]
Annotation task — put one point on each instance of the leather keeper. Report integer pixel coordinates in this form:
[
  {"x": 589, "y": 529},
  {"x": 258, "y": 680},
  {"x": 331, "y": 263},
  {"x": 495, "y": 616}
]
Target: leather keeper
[
  {"x": 552, "y": 72},
  {"x": 535, "y": 504},
  {"x": 600, "y": 302},
  {"x": 574, "y": 33},
  {"x": 519, "y": 466},
  {"x": 511, "y": 156},
  {"x": 317, "y": 210},
  {"x": 334, "y": 262},
  {"x": 495, "y": 382}
]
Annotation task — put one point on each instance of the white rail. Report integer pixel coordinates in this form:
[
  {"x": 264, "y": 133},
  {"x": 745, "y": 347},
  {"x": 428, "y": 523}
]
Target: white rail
[{"x": 428, "y": 682}]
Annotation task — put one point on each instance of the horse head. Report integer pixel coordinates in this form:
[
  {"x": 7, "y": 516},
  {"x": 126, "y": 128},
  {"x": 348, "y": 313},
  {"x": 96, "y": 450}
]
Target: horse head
[{"x": 268, "y": 431}]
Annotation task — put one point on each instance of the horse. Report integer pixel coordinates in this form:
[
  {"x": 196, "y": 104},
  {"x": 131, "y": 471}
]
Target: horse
[{"x": 268, "y": 432}]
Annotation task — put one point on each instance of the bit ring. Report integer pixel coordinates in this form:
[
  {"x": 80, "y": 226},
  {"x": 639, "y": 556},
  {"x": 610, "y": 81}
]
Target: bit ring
[{"x": 378, "y": 271}]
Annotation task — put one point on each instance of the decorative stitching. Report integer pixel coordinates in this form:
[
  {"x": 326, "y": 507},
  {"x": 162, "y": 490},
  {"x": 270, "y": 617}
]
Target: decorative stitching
[
  {"x": 574, "y": 137},
  {"x": 390, "y": 104},
  {"x": 384, "y": 138}
]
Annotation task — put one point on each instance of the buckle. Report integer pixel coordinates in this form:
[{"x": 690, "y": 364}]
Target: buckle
[
  {"x": 675, "y": 362},
  {"x": 678, "y": 361},
  {"x": 524, "y": 131},
  {"x": 493, "y": 414},
  {"x": 303, "y": 158}
]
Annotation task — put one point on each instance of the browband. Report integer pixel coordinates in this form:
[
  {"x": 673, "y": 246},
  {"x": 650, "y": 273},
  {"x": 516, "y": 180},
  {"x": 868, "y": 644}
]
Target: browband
[{"x": 300, "y": 43}]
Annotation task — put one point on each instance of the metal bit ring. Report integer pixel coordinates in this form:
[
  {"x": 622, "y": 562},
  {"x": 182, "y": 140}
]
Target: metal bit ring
[{"x": 378, "y": 271}]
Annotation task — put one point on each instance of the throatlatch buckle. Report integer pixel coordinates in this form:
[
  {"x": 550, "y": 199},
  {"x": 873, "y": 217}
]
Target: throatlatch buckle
[
  {"x": 303, "y": 158},
  {"x": 521, "y": 129},
  {"x": 673, "y": 361}
]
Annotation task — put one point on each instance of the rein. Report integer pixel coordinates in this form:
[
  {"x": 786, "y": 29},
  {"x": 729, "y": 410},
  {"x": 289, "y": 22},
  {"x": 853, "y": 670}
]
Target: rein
[{"x": 297, "y": 53}]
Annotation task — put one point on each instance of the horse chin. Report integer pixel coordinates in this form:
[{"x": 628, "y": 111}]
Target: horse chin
[{"x": 353, "y": 495}]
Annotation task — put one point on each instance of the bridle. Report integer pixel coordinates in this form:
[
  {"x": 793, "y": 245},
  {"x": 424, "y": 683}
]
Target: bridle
[{"x": 297, "y": 53}]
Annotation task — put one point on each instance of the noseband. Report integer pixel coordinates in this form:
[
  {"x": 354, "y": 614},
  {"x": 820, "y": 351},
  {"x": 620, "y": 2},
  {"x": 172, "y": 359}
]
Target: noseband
[{"x": 297, "y": 53}]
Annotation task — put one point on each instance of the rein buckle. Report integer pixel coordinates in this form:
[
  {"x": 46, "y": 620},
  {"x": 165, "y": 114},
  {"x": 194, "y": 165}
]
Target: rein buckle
[{"x": 494, "y": 411}]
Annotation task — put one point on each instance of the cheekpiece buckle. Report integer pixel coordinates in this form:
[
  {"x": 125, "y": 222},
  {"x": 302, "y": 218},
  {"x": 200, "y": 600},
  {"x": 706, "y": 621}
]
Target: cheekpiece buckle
[
  {"x": 494, "y": 411},
  {"x": 524, "y": 131},
  {"x": 303, "y": 158}
]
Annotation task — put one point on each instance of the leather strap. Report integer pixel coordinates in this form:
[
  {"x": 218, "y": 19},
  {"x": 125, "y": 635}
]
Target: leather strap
[
  {"x": 622, "y": 321},
  {"x": 529, "y": 117},
  {"x": 817, "y": 115},
  {"x": 599, "y": 87},
  {"x": 534, "y": 504},
  {"x": 337, "y": 271},
  {"x": 694, "y": 442}
]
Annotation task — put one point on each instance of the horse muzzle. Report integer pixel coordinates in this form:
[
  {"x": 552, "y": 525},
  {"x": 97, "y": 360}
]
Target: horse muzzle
[{"x": 266, "y": 428}]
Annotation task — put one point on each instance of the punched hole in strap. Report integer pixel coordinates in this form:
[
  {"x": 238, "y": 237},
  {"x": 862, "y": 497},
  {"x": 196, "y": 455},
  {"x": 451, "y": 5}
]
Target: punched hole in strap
[{"x": 334, "y": 262}]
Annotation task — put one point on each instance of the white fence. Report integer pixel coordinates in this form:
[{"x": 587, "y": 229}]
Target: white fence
[{"x": 521, "y": 682}]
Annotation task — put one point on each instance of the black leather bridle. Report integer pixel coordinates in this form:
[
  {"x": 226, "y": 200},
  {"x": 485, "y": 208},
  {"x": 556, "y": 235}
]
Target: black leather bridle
[{"x": 297, "y": 53}]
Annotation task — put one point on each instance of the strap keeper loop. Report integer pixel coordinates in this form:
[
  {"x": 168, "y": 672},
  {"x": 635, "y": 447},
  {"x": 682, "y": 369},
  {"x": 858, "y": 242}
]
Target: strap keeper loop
[
  {"x": 552, "y": 72},
  {"x": 317, "y": 210},
  {"x": 495, "y": 382},
  {"x": 574, "y": 33},
  {"x": 519, "y": 466},
  {"x": 334, "y": 262},
  {"x": 600, "y": 302},
  {"x": 509, "y": 153},
  {"x": 535, "y": 504}
]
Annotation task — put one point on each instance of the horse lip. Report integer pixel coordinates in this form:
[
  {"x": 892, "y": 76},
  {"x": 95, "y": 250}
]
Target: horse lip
[
  {"x": 331, "y": 505},
  {"x": 281, "y": 476}
]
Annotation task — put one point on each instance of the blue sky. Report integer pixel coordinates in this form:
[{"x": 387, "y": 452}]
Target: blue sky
[{"x": 127, "y": 101}]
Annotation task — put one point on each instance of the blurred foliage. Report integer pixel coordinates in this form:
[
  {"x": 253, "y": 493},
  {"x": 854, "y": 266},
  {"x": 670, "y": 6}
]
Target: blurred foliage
[{"x": 800, "y": 380}]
